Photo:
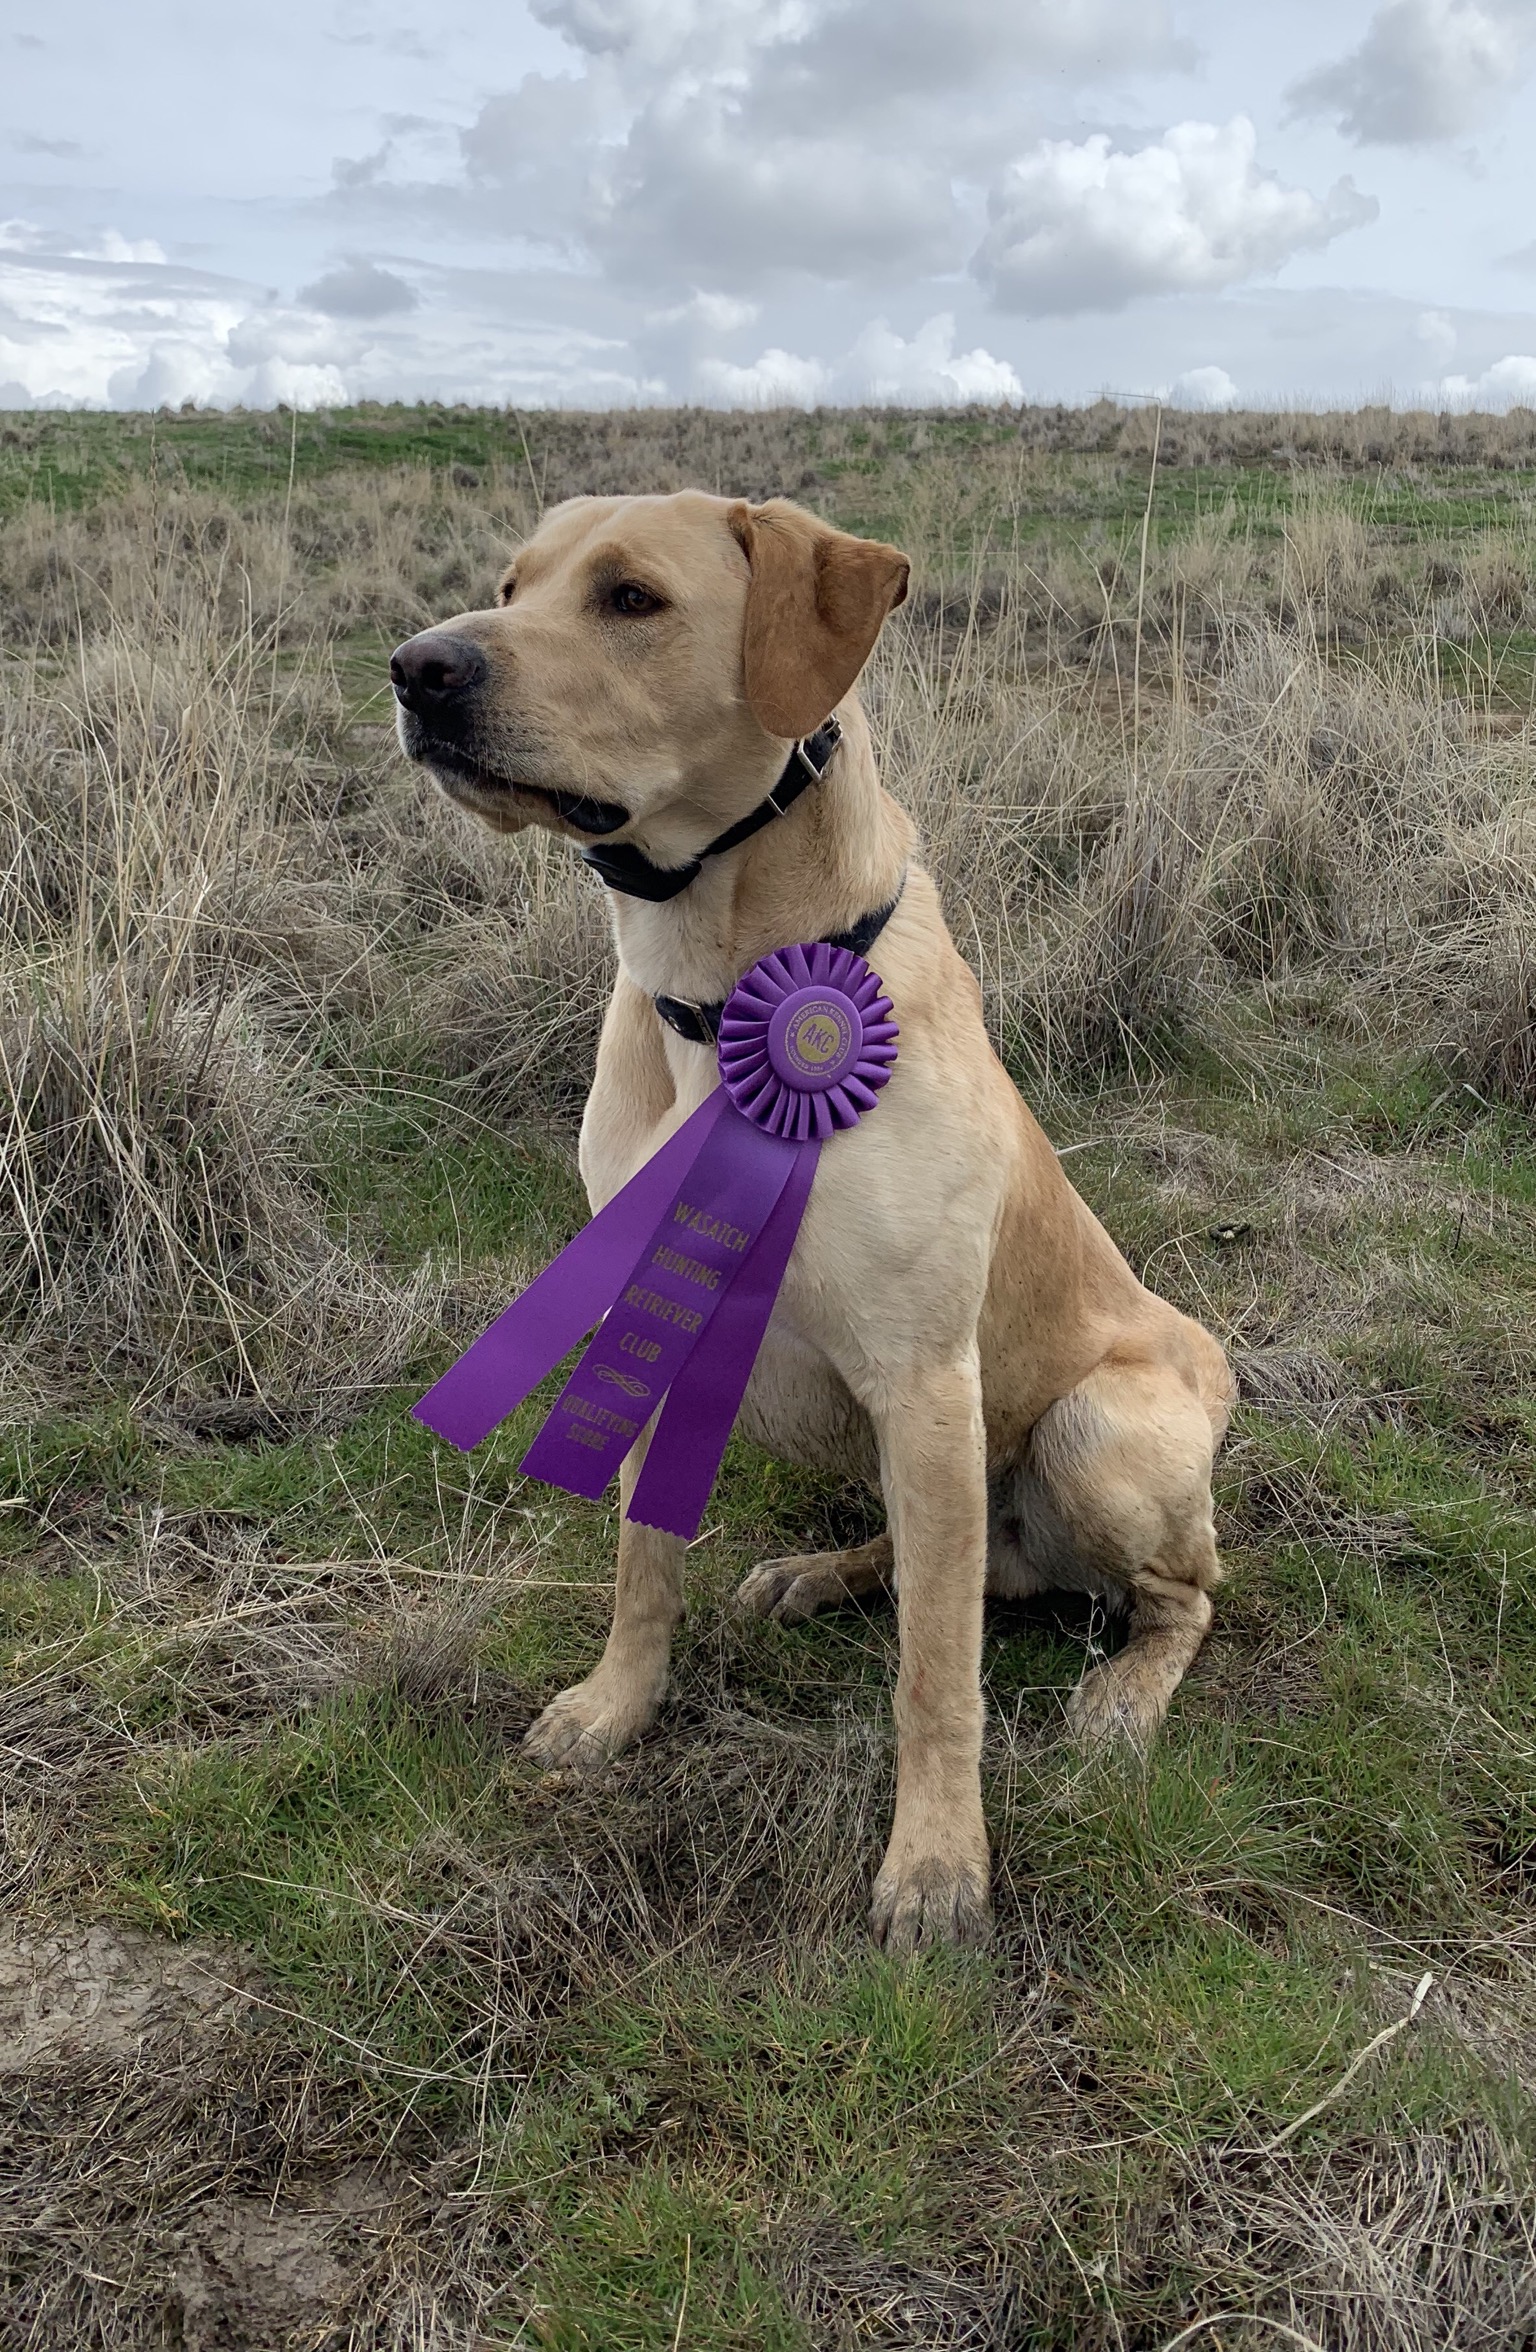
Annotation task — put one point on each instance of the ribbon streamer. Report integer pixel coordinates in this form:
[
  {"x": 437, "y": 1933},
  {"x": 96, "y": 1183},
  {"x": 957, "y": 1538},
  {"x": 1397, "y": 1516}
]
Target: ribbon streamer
[{"x": 684, "y": 1265}]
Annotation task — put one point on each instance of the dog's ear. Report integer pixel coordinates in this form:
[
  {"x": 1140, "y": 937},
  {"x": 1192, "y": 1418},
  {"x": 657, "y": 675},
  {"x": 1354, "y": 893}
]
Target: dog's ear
[{"x": 814, "y": 609}]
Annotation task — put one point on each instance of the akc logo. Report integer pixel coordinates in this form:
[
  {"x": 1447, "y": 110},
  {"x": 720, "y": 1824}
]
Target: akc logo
[{"x": 821, "y": 1035}]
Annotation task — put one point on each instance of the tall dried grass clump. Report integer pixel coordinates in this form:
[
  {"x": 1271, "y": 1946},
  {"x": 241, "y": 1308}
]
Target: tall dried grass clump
[
  {"x": 1424, "y": 2245},
  {"x": 162, "y": 1226},
  {"x": 503, "y": 955},
  {"x": 1486, "y": 950},
  {"x": 1136, "y": 857}
]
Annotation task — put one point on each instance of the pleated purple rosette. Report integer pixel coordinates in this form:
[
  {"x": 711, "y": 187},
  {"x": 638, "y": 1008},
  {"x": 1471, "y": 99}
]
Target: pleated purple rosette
[
  {"x": 684, "y": 1265},
  {"x": 806, "y": 1039}
]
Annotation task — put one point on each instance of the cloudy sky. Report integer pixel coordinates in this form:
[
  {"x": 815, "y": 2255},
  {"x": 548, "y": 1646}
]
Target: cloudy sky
[{"x": 738, "y": 201}]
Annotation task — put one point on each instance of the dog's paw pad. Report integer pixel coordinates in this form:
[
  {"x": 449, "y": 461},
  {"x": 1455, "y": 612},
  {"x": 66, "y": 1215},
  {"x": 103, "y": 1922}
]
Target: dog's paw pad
[
  {"x": 934, "y": 1901},
  {"x": 574, "y": 1736}
]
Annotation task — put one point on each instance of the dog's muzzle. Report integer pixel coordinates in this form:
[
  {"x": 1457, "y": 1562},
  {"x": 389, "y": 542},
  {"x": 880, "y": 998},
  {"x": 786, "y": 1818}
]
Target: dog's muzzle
[{"x": 437, "y": 679}]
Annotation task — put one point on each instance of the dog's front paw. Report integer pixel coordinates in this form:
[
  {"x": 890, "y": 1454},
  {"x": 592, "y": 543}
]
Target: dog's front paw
[
  {"x": 935, "y": 1898},
  {"x": 585, "y": 1728}
]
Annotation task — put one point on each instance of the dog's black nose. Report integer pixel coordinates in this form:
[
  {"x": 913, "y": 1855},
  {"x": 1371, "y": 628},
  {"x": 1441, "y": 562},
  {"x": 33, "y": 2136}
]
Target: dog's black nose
[{"x": 433, "y": 670}]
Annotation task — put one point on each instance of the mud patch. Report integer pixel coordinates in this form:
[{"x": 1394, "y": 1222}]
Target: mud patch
[
  {"x": 253, "y": 2274},
  {"x": 110, "y": 1994}
]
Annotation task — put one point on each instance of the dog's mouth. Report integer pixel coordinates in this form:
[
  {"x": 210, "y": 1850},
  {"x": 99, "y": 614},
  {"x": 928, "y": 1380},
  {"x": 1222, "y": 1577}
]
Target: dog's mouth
[{"x": 578, "y": 809}]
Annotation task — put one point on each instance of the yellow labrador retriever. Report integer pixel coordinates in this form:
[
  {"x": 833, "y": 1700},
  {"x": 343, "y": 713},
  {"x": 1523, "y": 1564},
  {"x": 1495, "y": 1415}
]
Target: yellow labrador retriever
[{"x": 669, "y": 682}]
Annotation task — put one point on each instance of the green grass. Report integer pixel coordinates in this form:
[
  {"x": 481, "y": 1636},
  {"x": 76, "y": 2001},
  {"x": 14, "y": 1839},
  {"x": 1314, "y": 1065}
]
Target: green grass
[
  {"x": 77, "y": 460},
  {"x": 68, "y": 460}
]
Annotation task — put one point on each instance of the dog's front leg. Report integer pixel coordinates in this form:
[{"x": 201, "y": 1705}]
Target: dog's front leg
[
  {"x": 933, "y": 1884},
  {"x": 585, "y": 1726}
]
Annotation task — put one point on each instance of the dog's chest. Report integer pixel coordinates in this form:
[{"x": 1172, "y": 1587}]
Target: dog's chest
[{"x": 799, "y": 1408}]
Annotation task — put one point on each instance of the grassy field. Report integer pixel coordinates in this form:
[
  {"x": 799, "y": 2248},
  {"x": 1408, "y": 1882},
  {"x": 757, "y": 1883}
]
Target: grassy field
[{"x": 327, "y": 2021}]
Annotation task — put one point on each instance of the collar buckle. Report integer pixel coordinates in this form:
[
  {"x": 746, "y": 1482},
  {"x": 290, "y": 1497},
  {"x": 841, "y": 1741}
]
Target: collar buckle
[
  {"x": 699, "y": 1023},
  {"x": 825, "y": 741}
]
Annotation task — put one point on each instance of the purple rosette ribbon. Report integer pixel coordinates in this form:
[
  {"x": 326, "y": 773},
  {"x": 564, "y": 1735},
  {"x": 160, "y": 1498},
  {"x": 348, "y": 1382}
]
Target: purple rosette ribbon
[{"x": 681, "y": 1269}]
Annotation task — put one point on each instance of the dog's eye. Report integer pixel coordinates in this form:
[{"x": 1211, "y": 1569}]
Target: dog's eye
[
  {"x": 507, "y": 590},
  {"x": 630, "y": 597}
]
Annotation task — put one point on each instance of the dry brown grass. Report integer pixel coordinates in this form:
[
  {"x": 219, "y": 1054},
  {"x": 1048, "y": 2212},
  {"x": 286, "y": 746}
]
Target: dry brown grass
[
  {"x": 1139, "y": 844},
  {"x": 1127, "y": 877},
  {"x": 170, "y": 912}
]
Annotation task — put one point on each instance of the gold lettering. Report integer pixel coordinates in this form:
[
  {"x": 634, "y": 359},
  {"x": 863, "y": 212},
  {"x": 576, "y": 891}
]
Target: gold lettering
[
  {"x": 707, "y": 1277},
  {"x": 730, "y": 1237},
  {"x": 650, "y": 1302},
  {"x": 601, "y": 1417}
]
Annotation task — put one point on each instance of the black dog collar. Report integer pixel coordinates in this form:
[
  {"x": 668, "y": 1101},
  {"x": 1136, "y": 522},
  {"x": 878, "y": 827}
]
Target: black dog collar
[
  {"x": 626, "y": 868},
  {"x": 700, "y": 1023}
]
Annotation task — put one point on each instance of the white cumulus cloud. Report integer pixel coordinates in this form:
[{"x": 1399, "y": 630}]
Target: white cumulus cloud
[
  {"x": 841, "y": 55},
  {"x": 734, "y": 143},
  {"x": 927, "y": 369},
  {"x": 101, "y": 327},
  {"x": 1079, "y": 227},
  {"x": 87, "y": 330},
  {"x": 1203, "y": 387},
  {"x": 1509, "y": 383},
  {"x": 843, "y": 63},
  {"x": 693, "y": 190},
  {"x": 1426, "y": 70},
  {"x": 880, "y": 366},
  {"x": 775, "y": 379}
]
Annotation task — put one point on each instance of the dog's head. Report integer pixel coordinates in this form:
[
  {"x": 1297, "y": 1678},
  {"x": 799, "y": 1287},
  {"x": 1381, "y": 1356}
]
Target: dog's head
[{"x": 646, "y": 666}]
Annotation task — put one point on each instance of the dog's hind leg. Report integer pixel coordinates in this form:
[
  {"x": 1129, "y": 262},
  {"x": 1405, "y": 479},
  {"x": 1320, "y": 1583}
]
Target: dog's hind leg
[
  {"x": 794, "y": 1588},
  {"x": 587, "y": 1725},
  {"x": 1126, "y": 1459}
]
